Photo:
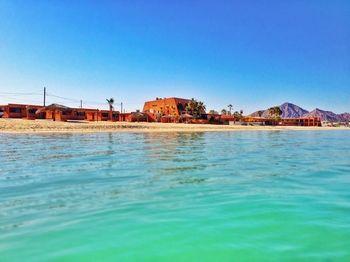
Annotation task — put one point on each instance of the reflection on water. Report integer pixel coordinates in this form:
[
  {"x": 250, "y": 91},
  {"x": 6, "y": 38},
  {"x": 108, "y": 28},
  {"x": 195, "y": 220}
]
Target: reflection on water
[
  {"x": 136, "y": 196},
  {"x": 175, "y": 154}
]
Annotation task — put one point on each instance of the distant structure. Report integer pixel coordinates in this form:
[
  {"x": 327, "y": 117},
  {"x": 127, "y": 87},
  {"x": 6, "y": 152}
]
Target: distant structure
[
  {"x": 58, "y": 112},
  {"x": 19, "y": 111},
  {"x": 297, "y": 121},
  {"x": 166, "y": 109}
]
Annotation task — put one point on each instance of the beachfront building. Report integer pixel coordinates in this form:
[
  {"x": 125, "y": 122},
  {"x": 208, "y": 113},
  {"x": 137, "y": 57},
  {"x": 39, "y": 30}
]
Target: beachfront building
[
  {"x": 220, "y": 119},
  {"x": 249, "y": 120},
  {"x": 301, "y": 121},
  {"x": 58, "y": 112},
  {"x": 104, "y": 115},
  {"x": 228, "y": 119},
  {"x": 165, "y": 109},
  {"x": 19, "y": 111}
]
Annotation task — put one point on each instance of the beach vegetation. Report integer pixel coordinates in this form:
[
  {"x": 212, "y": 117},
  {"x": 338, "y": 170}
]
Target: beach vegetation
[
  {"x": 195, "y": 108},
  {"x": 275, "y": 113},
  {"x": 111, "y": 107},
  {"x": 238, "y": 115},
  {"x": 229, "y": 109}
]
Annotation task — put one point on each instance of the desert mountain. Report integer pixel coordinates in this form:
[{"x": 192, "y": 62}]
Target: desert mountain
[
  {"x": 290, "y": 110},
  {"x": 325, "y": 115},
  {"x": 345, "y": 117},
  {"x": 258, "y": 113}
]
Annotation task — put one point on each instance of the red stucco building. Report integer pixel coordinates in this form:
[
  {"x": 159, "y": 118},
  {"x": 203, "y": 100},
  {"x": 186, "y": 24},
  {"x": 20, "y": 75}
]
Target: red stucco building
[
  {"x": 58, "y": 112},
  {"x": 170, "y": 109},
  {"x": 19, "y": 111}
]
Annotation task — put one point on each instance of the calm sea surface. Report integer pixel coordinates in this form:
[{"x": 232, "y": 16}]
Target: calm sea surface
[{"x": 238, "y": 196}]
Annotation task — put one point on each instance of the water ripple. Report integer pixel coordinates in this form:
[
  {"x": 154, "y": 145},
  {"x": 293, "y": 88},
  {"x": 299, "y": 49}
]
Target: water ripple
[{"x": 186, "y": 196}]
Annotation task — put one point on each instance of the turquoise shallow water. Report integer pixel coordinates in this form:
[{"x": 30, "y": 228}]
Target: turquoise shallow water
[{"x": 239, "y": 196}]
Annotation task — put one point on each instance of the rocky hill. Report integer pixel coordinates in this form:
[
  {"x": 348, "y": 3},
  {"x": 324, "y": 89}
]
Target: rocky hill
[
  {"x": 258, "y": 113},
  {"x": 345, "y": 117},
  {"x": 324, "y": 115},
  {"x": 290, "y": 110}
]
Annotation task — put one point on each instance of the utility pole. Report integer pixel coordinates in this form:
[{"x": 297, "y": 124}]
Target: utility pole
[
  {"x": 81, "y": 103},
  {"x": 121, "y": 107},
  {"x": 44, "y": 96}
]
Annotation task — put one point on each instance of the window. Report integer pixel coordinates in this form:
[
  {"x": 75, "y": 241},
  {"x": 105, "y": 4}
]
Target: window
[
  {"x": 104, "y": 114},
  {"x": 80, "y": 113},
  {"x": 15, "y": 110},
  {"x": 32, "y": 110},
  {"x": 67, "y": 112},
  {"x": 180, "y": 107}
]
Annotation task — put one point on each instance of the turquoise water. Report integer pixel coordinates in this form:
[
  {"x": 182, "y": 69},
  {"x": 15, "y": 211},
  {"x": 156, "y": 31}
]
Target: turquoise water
[{"x": 239, "y": 196}]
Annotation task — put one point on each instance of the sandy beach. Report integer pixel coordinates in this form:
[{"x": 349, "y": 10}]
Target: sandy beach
[{"x": 42, "y": 126}]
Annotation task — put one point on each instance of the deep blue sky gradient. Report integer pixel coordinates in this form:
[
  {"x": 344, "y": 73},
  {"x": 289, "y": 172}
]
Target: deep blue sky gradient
[{"x": 252, "y": 54}]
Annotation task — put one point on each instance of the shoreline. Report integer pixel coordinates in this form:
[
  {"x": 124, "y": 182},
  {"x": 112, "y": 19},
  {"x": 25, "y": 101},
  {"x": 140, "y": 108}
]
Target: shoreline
[{"x": 22, "y": 126}]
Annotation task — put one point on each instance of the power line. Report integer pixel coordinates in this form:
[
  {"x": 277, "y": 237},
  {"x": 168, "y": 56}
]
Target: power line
[
  {"x": 21, "y": 100},
  {"x": 95, "y": 103},
  {"x": 28, "y": 94},
  {"x": 56, "y": 96},
  {"x": 64, "y": 98},
  {"x": 77, "y": 100},
  {"x": 22, "y": 95}
]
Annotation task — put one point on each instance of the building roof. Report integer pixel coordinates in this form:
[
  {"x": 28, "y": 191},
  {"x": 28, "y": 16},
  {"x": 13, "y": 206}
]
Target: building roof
[
  {"x": 168, "y": 98},
  {"x": 22, "y": 105}
]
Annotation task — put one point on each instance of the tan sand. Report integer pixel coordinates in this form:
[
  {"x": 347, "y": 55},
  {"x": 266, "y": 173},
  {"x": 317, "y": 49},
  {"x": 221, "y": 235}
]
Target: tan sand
[{"x": 43, "y": 126}]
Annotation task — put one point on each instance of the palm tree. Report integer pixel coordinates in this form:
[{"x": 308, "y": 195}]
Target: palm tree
[
  {"x": 190, "y": 107},
  {"x": 200, "y": 108},
  {"x": 237, "y": 115},
  {"x": 195, "y": 108},
  {"x": 224, "y": 112},
  {"x": 110, "y": 103},
  {"x": 230, "y": 108},
  {"x": 275, "y": 113}
]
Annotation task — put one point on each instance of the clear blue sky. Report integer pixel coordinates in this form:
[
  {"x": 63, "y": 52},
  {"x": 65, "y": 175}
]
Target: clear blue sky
[{"x": 252, "y": 54}]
